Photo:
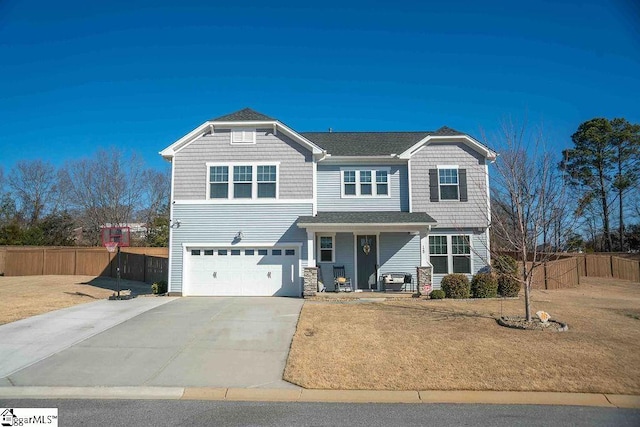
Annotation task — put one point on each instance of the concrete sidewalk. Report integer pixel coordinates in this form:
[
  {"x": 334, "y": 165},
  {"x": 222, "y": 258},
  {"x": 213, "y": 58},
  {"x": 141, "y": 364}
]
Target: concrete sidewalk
[
  {"x": 337, "y": 396},
  {"x": 30, "y": 340}
]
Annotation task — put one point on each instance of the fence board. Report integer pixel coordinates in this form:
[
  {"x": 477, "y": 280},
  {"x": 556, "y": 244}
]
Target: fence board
[
  {"x": 60, "y": 262},
  {"x": 3, "y": 256},
  {"x": 598, "y": 266},
  {"x": 626, "y": 269},
  {"x": 24, "y": 263},
  {"x": 562, "y": 274}
]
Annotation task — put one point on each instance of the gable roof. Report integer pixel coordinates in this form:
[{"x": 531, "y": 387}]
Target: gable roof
[
  {"x": 244, "y": 115},
  {"x": 365, "y": 143}
]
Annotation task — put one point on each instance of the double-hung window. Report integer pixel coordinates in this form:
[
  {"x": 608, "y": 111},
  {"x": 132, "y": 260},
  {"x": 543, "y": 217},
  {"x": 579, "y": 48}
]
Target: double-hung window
[
  {"x": 448, "y": 180},
  {"x": 267, "y": 182},
  {"x": 326, "y": 249},
  {"x": 450, "y": 254},
  {"x": 365, "y": 182},
  {"x": 242, "y": 182},
  {"x": 219, "y": 182}
]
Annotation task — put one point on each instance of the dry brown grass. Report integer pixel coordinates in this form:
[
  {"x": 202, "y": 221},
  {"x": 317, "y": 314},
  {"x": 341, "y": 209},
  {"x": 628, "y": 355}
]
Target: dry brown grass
[
  {"x": 27, "y": 296},
  {"x": 457, "y": 345}
]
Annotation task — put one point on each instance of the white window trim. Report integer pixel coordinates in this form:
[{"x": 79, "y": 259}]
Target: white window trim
[
  {"x": 254, "y": 181},
  {"x": 449, "y": 185},
  {"x": 450, "y": 254},
  {"x": 319, "y": 248},
  {"x": 374, "y": 187},
  {"x": 251, "y": 132}
]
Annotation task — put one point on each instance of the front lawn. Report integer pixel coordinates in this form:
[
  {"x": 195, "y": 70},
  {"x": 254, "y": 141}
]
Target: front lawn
[{"x": 457, "y": 345}]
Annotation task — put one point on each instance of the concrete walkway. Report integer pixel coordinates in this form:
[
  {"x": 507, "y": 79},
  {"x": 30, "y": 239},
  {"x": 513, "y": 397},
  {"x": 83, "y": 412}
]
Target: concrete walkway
[
  {"x": 342, "y": 396},
  {"x": 30, "y": 340}
]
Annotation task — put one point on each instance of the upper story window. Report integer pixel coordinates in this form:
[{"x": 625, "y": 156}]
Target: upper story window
[
  {"x": 448, "y": 183},
  {"x": 448, "y": 180},
  {"x": 243, "y": 181},
  {"x": 365, "y": 182},
  {"x": 243, "y": 136}
]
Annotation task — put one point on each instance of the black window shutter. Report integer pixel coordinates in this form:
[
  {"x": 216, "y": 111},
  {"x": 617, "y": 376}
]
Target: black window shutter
[
  {"x": 433, "y": 185},
  {"x": 462, "y": 180}
]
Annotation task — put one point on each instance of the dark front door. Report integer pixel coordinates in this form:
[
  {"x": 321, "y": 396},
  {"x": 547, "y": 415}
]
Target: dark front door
[{"x": 367, "y": 251}]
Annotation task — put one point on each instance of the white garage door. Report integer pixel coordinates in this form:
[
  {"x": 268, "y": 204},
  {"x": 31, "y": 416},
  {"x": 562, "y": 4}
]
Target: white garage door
[{"x": 255, "y": 271}]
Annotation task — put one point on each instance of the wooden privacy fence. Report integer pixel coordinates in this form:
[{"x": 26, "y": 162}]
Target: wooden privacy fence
[
  {"x": 609, "y": 266},
  {"x": 136, "y": 264},
  {"x": 563, "y": 273}
]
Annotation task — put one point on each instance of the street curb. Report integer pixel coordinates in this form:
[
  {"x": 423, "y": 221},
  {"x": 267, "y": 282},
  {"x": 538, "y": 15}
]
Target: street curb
[{"x": 335, "y": 396}]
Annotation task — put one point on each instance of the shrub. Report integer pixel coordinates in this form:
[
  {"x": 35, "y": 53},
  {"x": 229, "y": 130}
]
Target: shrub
[
  {"x": 505, "y": 264},
  {"x": 508, "y": 285},
  {"x": 484, "y": 285},
  {"x": 159, "y": 287},
  {"x": 455, "y": 286},
  {"x": 437, "y": 294}
]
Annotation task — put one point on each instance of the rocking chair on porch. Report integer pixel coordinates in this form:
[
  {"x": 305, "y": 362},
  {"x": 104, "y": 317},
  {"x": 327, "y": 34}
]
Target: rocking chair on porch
[{"x": 341, "y": 282}]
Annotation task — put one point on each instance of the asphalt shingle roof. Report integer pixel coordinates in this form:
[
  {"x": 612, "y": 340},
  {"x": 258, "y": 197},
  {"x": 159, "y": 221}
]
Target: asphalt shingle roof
[
  {"x": 246, "y": 114},
  {"x": 364, "y": 143},
  {"x": 367, "y": 218}
]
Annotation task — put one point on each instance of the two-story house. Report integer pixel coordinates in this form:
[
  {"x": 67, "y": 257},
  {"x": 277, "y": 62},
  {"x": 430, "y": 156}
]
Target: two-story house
[{"x": 254, "y": 203}]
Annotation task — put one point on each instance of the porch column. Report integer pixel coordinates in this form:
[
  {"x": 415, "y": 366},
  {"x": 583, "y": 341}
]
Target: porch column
[
  {"x": 311, "y": 248},
  {"x": 424, "y": 241}
]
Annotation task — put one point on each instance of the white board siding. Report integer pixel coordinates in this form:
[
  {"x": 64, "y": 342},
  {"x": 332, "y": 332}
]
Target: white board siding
[
  {"x": 295, "y": 171},
  {"x": 219, "y": 224},
  {"x": 479, "y": 251},
  {"x": 329, "y": 190},
  {"x": 454, "y": 214}
]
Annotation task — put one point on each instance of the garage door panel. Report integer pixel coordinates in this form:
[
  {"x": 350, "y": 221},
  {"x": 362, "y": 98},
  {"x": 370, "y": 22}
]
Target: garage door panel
[{"x": 243, "y": 272}]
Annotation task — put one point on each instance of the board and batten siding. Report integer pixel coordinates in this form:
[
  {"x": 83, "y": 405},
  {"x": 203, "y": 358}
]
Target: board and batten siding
[
  {"x": 479, "y": 251},
  {"x": 399, "y": 253},
  {"x": 218, "y": 224},
  {"x": 474, "y": 212},
  {"x": 295, "y": 171},
  {"x": 329, "y": 190}
]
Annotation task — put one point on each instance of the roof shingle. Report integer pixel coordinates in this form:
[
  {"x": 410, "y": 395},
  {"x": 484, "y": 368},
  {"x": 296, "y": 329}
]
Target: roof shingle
[
  {"x": 365, "y": 143},
  {"x": 367, "y": 218},
  {"x": 246, "y": 114}
]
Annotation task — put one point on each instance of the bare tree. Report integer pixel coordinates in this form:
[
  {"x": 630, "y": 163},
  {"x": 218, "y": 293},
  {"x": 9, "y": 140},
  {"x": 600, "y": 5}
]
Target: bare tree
[
  {"x": 528, "y": 200},
  {"x": 34, "y": 186},
  {"x": 106, "y": 189}
]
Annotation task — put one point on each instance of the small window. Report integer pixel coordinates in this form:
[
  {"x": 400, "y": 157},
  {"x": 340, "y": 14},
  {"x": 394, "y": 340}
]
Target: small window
[
  {"x": 382, "y": 185},
  {"x": 276, "y": 252},
  {"x": 249, "y": 252},
  {"x": 195, "y": 251},
  {"x": 267, "y": 176},
  {"x": 222, "y": 252},
  {"x": 219, "y": 182},
  {"x": 235, "y": 251},
  {"x": 290, "y": 252},
  {"x": 262, "y": 252},
  {"x": 208, "y": 252},
  {"x": 448, "y": 180},
  {"x": 243, "y": 136},
  {"x": 349, "y": 183},
  {"x": 365, "y": 183},
  {"x": 326, "y": 249},
  {"x": 242, "y": 182}
]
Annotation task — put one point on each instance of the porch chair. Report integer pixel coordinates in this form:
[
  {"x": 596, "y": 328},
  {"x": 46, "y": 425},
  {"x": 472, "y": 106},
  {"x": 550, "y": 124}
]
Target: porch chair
[{"x": 340, "y": 281}]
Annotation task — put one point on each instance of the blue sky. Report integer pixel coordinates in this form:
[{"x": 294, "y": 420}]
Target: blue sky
[{"x": 75, "y": 76}]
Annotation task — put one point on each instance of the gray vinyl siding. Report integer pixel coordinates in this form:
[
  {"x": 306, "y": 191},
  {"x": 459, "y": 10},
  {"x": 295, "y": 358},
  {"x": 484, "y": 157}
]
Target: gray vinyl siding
[
  {"x": 479, "y": 251},
  {"x": 343, "y": 256},
  {"x": 296, "y": 165},
  {"x": 399, "y": 253},
  {"x": 219, "y": 224},
  {"x": 329, "y": 190},
  {"x": 472, "y": 213}
]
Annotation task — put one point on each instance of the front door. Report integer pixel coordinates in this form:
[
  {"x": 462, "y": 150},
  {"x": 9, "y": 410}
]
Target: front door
[{"x": 367, "y": 251}]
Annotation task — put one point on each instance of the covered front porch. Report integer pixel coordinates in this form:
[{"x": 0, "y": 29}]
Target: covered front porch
[{"x": 364, "y": 247}]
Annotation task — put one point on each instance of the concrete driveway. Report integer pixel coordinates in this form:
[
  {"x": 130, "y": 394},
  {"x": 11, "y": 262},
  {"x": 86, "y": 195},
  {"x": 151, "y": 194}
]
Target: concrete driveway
[{"x": 197, "y": 342}]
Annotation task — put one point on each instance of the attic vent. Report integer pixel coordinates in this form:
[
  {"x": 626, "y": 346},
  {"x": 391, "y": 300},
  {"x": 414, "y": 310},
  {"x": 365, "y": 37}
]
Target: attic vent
[{"x": 243, "y": 136}]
